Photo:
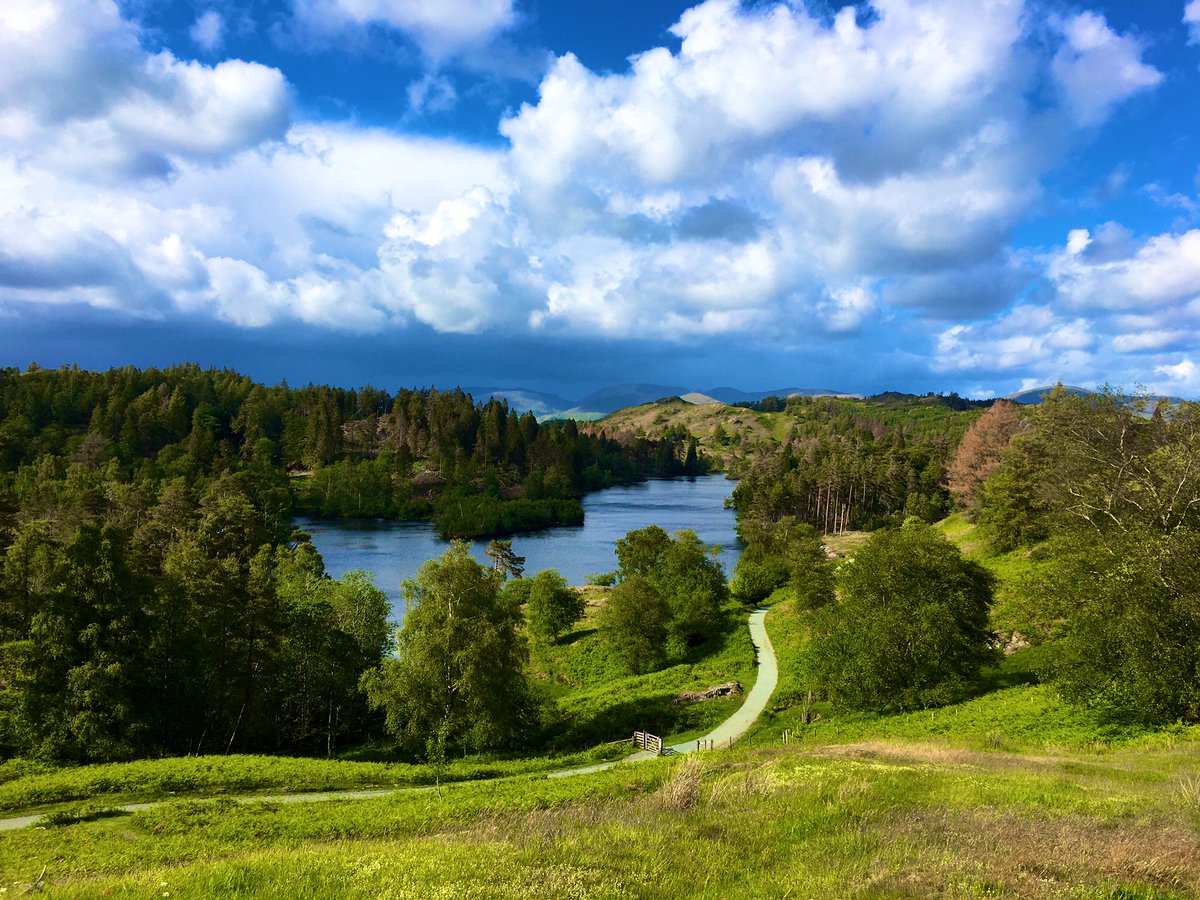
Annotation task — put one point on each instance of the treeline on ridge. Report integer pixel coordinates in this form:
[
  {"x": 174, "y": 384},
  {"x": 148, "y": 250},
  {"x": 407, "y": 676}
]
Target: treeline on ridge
[{"x": 849, "y": 464}]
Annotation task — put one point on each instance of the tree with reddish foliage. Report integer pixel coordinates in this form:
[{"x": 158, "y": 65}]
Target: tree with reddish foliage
[{"x": 979, "y": 453}]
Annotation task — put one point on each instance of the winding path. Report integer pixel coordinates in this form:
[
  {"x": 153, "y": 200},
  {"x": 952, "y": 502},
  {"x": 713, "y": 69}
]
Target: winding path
[
  {"x": 733, "y": 727},
  {"x": 721, "y": 736}
]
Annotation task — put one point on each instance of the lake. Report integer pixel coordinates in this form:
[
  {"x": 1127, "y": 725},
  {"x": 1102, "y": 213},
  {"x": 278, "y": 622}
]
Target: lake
[{"x": 394, "y": 551}]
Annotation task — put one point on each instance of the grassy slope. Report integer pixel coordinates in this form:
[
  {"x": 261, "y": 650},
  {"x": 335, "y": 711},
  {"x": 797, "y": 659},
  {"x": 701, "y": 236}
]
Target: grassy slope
[
  {"x": 1013, "y": 572},
  {"x": 596, "y": 701},
  {"x": 745, "y": 429},
  {"x": 591, "y": 702},
  {"x": 1012, "y": 793}
]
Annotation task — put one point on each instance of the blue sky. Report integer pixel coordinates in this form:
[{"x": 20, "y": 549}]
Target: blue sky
[{"x": 904, "y": 194}]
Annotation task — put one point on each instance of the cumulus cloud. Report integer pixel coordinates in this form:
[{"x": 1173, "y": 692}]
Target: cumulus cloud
[
  {"x": 208, "y": 31},
  {"x": 140, "y": 114},
  {"x": 895, "y": 155},
  {"x": 441, "y": 28},
  {"x": 777, "y": 171},
  {"x": 1182, "y": 377},
  {"x": 1109, "y": 270},
  {"x": 1096, "y": 68},
  {"x": 1116, "y": 308},
  {"x": 1191, "y": 18},
  {"x": 1025, "y": 338}
]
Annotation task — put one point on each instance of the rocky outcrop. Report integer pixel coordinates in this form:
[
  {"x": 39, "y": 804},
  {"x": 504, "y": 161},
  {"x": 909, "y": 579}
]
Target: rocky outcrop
[{"x": 728, "y": 689}]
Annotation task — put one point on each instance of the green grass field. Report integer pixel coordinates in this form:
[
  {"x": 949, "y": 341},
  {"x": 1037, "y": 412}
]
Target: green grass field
[{"x": 881, "y": 819}]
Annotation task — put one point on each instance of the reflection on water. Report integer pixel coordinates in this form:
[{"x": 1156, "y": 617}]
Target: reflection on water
[{"x": 394, "y": 550}]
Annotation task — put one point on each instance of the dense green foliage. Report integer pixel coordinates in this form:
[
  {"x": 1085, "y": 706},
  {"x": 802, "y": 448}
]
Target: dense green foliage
[
  {"x": 153, "y": 598},
  {"x": 634, "y": 623},
  {"x": 1113, "y": 491},
  {"x": 910, "y": 628},
  {"x": 172, "y": 617},
  {"x": 685, "y": 574},
  {"x": 458, "y": 678},
  {"x": 483, "y": 515},
  {"x": 475, "y": 469},
  {"x": 852, "y": 464},
  {"x": 783, "y": 554},
  {"x": 553, "y": 607}
]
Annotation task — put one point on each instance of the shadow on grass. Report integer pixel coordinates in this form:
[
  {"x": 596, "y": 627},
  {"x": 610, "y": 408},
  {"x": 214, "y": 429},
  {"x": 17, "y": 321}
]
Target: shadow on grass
[
  {"x": 1025, "y": 667},
  {"x": 76, "y": 815},
  {"x": 572, "y": 637},
  {"x": 656, "y": 713}
]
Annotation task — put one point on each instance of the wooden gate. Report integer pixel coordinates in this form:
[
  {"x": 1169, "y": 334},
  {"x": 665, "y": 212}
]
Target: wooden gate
[{"x": 648, "y": 741}]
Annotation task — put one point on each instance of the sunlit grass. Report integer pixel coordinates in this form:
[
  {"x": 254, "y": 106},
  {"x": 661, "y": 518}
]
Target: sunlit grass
[
  {"x": 595, "y": 700},
  {"x": 768, "y": 822}
]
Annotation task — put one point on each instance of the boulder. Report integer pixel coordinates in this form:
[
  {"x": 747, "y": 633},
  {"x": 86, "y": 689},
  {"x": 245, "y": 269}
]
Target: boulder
[{"x": 729, "y": 689}]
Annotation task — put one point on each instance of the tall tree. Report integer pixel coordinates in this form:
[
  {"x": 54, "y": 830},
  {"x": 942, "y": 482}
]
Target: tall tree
[
  {"x": 553, "y": 606},
  {"x": 684, "y": 573},
  {"x": 458, "y": 678},
  {"x": 979, "y": 453},
  {"x": 633, "y": 622},
  {"x": 504, "y": 560}
]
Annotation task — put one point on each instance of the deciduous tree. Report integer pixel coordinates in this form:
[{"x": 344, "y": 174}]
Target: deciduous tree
[
  {"x": 458, "y": 678},
  {"x": 911, "y": 627},
  {"x": 553, "y": 606},
  {"x": 633, "y": 621}
]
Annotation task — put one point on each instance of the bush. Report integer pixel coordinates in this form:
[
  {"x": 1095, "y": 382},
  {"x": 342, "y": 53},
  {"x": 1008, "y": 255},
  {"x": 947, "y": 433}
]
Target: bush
[
  {"x": 911, "y": 629},
  {"x": 1131, "y": 645}
]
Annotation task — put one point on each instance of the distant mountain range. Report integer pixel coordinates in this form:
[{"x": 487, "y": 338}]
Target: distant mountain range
[{"x": 619, "y": 396}]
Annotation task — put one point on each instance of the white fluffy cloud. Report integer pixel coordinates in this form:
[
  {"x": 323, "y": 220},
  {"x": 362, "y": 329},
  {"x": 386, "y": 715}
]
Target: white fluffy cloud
[
  {"x": 1110, "y": 271},
  {"x": 141, "y": 113},
  {"x": 1097, "y": 68},
  {"x": 1119, "y": 308},
  {"x": 180, "y": 186},
  {"x": 894, "y": 157},
  {"x": 440, "y": 27},
  {"x": 1181, "y": 378},
  {"x": 778, "y": 171},
  {"x": 1027, "y": 338},
  {"x": 1191, "y": 18},
  {"x": 240, "y": 242}
]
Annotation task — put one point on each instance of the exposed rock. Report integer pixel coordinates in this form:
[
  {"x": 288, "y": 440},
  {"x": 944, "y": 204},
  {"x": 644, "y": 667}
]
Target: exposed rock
[
  {"x": 1012, "y": 642},
  {"x": 729, "y": 689}
]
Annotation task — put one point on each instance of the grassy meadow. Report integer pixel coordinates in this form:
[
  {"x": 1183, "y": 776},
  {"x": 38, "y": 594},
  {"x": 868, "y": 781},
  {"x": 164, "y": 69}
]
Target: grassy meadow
[{"x": 893, "y": 816}]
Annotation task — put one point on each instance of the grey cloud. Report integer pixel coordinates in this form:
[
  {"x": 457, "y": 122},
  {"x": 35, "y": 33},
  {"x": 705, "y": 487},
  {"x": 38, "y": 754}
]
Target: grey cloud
[{"x": 726, "y": 220}]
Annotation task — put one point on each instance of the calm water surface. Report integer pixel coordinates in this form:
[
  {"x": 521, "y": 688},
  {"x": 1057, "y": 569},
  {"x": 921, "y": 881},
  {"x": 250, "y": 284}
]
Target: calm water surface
[{"x": 393, "y": 551}]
